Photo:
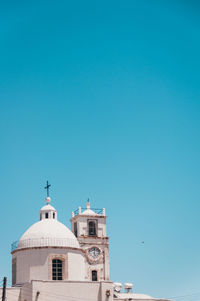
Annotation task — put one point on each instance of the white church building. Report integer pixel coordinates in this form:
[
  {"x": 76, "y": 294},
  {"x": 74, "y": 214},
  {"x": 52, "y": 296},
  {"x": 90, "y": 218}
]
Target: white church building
[{"x": 53, "y": 263}]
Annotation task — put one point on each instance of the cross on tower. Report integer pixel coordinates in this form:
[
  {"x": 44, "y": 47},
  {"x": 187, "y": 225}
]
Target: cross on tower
[{"x": 47, "y": 188}]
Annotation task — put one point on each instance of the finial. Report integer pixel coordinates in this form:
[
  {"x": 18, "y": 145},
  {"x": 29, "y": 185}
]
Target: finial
[
  {"x": 48, "y": 200},
  {"x": 47, "y": 188},
  {"x": 88, "y": 204}
]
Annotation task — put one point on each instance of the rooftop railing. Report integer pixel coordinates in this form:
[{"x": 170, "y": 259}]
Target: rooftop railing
[
  {"x": 96, "y": 210},
  {"x": 14, "y": 245}
]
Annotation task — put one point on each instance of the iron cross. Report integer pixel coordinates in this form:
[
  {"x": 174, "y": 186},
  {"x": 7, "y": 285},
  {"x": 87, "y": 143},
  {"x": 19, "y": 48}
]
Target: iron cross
[{"x": 47, "y": 188}]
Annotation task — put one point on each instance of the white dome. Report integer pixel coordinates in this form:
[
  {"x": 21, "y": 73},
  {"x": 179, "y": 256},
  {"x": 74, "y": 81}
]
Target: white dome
[
  {"x": 47, "y": 207},
  {"x": 89, "y": 212},
  {"x": 48, "y": 233}
]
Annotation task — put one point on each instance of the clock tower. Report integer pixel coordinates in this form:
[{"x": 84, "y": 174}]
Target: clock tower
[{"x": 89, "y": 226}]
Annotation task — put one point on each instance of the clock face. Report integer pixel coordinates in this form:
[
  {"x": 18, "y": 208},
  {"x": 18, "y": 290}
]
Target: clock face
[{"x": 94, "y": 252}]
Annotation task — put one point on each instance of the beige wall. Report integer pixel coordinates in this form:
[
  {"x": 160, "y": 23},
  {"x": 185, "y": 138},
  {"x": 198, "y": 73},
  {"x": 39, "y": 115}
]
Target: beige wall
[
  {"x": 12, "y": 294},
  {"x": 67, "y": 291},
  {"x": 26, "y": 293},
  {"x": 35, "y": 264},
  {"x": 62, "y": 291},
  {"x": 76, "y": 266}
]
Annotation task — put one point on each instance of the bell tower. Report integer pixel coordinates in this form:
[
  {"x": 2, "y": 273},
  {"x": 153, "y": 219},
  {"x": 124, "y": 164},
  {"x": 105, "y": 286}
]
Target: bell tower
[{"x": 89, "y": 226}]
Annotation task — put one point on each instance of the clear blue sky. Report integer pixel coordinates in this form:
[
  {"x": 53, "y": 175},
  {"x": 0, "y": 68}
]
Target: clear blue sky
[{"x": 102, "y": 98}]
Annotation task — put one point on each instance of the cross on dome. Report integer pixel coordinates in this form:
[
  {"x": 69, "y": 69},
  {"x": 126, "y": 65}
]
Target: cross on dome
[
  {"x": 47, "y": 188},
  {"x": 48, "y": 199}
]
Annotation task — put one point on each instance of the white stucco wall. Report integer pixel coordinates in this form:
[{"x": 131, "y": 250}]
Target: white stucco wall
[
  {"x": 60, "y": 291},
  {"x": 12, "y": 294},
  {"x": 26, "y": 293},
  {"x": 76, "y": 266},
  {"x": 69, "y": 290},
  {"x": 35, "y": 264}
]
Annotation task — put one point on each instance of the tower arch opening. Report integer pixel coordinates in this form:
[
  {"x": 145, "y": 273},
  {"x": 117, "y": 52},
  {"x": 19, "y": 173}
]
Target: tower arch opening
[
  {"x": 92, "y": 231},
  {"x": 94, "y": 275}
]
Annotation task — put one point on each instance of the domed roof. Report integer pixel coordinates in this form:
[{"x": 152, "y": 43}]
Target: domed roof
[
  {"x": 48, "y": 233},
  {"x": 88, "y": 211},
  {"x": 47, "y": 207}
]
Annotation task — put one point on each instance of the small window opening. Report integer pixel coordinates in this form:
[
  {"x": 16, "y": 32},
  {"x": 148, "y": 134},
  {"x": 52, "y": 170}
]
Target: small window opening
[
  {"x": 46, "y": 215},
  {"x": 56, "y": 269},
  {"x": 54, "y": 215},
  {"x": 40, "y": 216},
  {"x": 14, "y": 270},
  {"x": 94, "y": 275},
  {"x": 92, "y": 229},
  {"x": 75, "y": 229}
]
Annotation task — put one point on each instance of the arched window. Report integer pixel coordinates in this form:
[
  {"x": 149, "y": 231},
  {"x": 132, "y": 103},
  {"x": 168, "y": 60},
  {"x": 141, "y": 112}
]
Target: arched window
[
  {"x": 46, "y": 215},
  {"x": 54, "y": 215},
  {"x": 92, "y": 228},
  {"x": 94, "y": 275},
  {"x": 57, "y": 269}
]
